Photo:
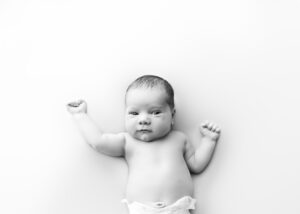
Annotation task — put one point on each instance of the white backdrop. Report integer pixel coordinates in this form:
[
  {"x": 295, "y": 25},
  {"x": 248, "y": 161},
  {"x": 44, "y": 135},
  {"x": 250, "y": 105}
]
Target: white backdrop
[{"x": 233, "y": 62}]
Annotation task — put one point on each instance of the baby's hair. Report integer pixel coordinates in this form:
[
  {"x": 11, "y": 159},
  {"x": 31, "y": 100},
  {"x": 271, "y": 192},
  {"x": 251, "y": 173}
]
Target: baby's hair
[{"x": 151, "y": 81}]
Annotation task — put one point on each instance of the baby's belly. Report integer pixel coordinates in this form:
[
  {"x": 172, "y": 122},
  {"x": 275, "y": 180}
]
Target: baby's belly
[{"x": 159, "y": 183}]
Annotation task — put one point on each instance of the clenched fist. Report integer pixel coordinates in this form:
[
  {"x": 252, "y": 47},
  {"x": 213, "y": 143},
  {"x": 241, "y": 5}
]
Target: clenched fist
[{"x": 76, "y": 107}]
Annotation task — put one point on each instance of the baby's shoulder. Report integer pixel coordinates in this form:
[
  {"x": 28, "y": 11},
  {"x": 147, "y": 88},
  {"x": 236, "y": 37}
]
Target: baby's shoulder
[{"x": 127, "y": 136}]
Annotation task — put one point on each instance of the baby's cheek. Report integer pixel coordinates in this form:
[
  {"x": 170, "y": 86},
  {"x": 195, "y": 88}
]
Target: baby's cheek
[
  {"x": 130, "y": 127},
  {"x": 127, "y": 127}
]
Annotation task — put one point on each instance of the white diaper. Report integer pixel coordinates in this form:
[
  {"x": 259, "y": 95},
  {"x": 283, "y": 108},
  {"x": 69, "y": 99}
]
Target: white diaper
[{"x": 181, "y": 206}]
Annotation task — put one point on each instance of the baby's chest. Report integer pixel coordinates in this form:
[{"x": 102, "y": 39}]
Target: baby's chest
[{"x": 157, "y": 151}]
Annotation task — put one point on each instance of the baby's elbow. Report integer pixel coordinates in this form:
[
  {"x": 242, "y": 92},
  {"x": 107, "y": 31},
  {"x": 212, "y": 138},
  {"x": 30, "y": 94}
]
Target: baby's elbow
[{"x": 197, "y": 168}]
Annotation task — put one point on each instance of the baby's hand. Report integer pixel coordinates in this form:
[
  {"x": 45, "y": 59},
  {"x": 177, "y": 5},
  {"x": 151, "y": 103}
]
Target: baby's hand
[
  {"x": 210, "y": 130},
  {"x": 76, "y": 107}
]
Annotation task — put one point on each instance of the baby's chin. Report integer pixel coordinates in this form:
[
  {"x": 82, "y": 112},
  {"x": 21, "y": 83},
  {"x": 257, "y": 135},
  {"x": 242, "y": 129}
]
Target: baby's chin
[
  {"x": 145, "y": 137},
  {"x": 148, "y": 137}
]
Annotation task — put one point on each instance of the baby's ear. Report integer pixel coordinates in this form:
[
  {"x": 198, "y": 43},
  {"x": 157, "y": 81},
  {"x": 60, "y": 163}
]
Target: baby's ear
[
  {"x": 173, "y": 117},
  {"x": 173, "y": 112}
]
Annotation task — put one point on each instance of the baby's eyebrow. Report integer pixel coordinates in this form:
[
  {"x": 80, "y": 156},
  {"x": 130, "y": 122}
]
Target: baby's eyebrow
[
  {"x": 156, "y": 107},
  {"x": 131, "y": 109}
]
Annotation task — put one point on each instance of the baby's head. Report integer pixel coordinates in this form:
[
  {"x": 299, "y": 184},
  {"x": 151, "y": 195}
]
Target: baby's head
[{"x": 150, "y": 108}]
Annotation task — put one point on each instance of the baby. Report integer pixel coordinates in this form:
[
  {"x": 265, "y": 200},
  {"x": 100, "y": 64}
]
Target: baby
[{"x": 160, "y": 159}]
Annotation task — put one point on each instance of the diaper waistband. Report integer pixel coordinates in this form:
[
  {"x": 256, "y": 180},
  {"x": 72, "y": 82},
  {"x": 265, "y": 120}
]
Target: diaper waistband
[{"x": 184, "y": 203}]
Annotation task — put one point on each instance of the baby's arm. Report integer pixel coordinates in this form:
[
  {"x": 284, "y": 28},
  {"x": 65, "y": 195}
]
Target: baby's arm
[
  {"x": 198, "y": 159},
  {"x": 109, "y": 144}
]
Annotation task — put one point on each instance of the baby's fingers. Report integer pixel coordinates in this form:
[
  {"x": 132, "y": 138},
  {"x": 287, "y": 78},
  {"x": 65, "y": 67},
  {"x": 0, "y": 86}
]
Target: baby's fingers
[
  {"x": 75, "y": 103},
  {"x": 211, "y": 126},
  {"x": 205, "y": 124},
  {"x": 208, "y": 125},
  {"x": 217, "y": 129},
  {"x": 79, "y": 106}
]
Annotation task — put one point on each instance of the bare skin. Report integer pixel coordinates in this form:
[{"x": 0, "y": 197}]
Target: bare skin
[
  {"x": 158, "y": 169},
  {"x": 160, "y": 160}
]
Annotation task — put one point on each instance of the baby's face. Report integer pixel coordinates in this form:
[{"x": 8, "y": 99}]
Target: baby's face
[{"x": 148, "y": 116}]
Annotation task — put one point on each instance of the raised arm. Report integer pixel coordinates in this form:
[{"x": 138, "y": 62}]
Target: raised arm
[
  {"x": 198, "y": 158},
  {"x": 106, "y": 143}
]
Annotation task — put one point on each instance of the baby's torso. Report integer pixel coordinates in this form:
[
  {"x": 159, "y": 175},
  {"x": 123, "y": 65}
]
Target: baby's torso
[{"x": 157, "y": 170}]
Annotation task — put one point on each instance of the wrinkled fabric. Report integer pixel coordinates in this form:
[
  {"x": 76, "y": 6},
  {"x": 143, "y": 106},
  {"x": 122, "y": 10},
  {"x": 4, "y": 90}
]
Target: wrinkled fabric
[{"x": 181, "y": 206}]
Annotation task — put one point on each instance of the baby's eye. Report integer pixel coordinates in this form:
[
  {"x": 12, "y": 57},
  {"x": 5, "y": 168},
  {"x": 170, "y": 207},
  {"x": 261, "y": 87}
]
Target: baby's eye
[
  {"x": 156, "y": 112},
  {"x": 133, "y": 113}
]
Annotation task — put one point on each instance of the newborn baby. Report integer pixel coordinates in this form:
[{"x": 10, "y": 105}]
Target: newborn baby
[{"x": 160, "y": 159}]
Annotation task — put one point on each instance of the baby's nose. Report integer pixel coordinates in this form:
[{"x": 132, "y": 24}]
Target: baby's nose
[{"x": 144, "y": 120}]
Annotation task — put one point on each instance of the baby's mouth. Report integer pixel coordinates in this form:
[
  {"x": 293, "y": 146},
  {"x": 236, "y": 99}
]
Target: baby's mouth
[{"x": 144, "y": 130}]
